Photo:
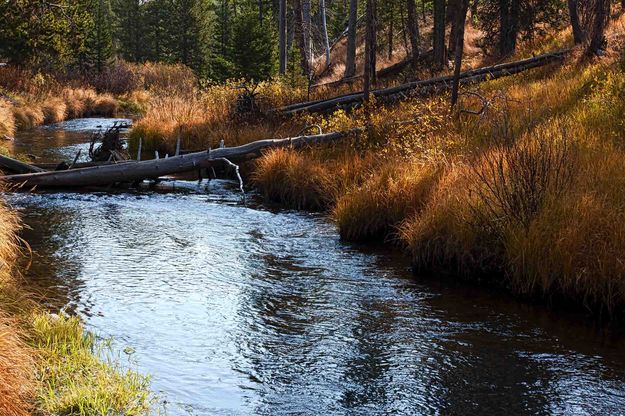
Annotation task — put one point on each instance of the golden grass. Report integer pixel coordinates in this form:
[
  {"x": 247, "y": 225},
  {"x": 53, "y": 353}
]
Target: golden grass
[
  {"x": 16, "y": 361},
  {"x": 28, "y": 116},
  {"x": 7, "y": 120},
  {"x": 391, "y": 192},
  {"x": 291, "y": 179},
  {"x": 80, "y": 102},
  {"x": 105, "y": 106},
  {"x": 54, "y": 110},
  {"x": 16, "y": 371},
  {"x": 550, "y": 141}
]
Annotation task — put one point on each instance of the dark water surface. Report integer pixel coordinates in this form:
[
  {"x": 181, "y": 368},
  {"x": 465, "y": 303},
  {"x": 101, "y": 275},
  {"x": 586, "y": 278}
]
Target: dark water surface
[{"x": 239, "y": 310}]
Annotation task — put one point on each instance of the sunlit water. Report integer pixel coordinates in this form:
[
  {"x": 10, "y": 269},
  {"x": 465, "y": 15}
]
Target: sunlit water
[{"x": 243, "y": 310}]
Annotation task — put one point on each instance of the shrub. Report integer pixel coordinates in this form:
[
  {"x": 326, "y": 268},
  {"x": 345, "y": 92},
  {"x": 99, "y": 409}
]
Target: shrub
[{"x": 118, "y": 78}]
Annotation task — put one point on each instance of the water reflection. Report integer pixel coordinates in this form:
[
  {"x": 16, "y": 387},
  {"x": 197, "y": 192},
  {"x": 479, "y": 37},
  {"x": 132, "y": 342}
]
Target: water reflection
[{"x": 237, "y": 310}]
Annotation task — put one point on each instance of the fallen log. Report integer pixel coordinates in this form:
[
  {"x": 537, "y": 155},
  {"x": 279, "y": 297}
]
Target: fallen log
[
  {"x": 77, "y": 165},
  {"x": 152, "y": 169},
  {"x": 476, "y": 75},
  {"x": 16, "y": 166}
]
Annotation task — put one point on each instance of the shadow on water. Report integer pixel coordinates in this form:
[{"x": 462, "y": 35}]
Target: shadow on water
[{"x": 239, "y": 310}]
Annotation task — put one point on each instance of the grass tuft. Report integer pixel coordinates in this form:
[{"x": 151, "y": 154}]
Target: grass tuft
[{"x": 74, "y": 379}]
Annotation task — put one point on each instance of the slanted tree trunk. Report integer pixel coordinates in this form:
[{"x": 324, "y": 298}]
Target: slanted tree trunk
[
  {"x": 324, "y": 30},
  {"x": 370, "y": 50},
  {"x": 461, "y": 18},
  {"x": 282, "y": 35},
  {"x": 600, "y": 16},
  {"x": 413, "y": 30},
  {"x": 578, "y": 34},
  {"x": 350, "y": 61}
]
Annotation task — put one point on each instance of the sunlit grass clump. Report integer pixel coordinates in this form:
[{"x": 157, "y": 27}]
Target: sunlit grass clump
[
  {"x": 76, "y": 376},
  {"x": 17, "y": 383},
  {"x": 391, "y": 193}
]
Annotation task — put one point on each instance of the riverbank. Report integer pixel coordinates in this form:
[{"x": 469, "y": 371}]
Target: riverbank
[
  {"x": 49, "y": 364},
  {"x": 520, "y": 189},
  {"x": 29, "y": 99}
]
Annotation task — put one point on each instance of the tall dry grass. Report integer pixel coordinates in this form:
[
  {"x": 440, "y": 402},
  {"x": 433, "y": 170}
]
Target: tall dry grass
[
  {"x": 7, "y": 120},
  {"x": 16, "y": 359},
  {"x": 390, "y": 193}
]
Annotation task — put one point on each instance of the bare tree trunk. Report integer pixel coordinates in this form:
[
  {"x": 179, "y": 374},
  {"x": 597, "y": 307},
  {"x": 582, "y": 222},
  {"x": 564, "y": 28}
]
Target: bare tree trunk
[
  {"x": 600, "y": 14},
  {"x": 453, "y": 11},
  {"x": 390, "y": 34},
  {"x": 301, "y": 38},
  {"x": 405, "y": 26},
  {"x": 439, "y": 34},
  {"x": 350, "y": 61},
  {"x": 306, "y": 30},
  {"x": 413, "y": 30},
  {"x": 370, "y": 49},
  {"x": 510, "y": 13},
  {"x": 324, "y": 29},
  {"x": 578, "y": 34},
  {"x": 461, "y": 18},
  {"x": 282, "y": 36}
]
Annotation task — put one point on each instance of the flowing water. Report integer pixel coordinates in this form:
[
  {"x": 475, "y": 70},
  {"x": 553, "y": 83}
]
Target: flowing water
[{"x": 244, "y": 310}]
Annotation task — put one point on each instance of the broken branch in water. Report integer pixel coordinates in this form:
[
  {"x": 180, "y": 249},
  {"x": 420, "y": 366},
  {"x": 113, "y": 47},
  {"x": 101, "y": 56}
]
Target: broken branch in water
[{"x": 236, "y": 169}]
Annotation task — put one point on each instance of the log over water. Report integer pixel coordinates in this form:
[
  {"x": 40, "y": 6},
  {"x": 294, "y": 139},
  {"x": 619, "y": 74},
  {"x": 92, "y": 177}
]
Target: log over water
[{"x": 151, "y": 169}]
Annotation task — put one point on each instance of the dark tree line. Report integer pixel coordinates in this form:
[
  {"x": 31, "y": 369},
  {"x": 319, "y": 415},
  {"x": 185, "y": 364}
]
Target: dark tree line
[{"x": 257, "y": 39}]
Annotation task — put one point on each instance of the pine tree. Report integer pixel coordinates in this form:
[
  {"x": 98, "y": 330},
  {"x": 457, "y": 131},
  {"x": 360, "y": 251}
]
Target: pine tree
[
  {"x": 99, "y": 46},
  {"x": 130, "y": 29},
  {"x": 189, "y": 33},
  {"x": 254, "y": 55},
  {"x": 156, "y": 14}
]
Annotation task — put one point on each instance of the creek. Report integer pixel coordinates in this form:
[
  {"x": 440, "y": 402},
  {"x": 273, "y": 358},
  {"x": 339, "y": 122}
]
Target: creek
[{"x": 244, "y": 309}]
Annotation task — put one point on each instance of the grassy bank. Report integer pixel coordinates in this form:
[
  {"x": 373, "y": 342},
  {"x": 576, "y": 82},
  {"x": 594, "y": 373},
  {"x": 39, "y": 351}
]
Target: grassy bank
[
  {"x": 49, "y": 364},
  {"x": 30, "y": 99}
]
